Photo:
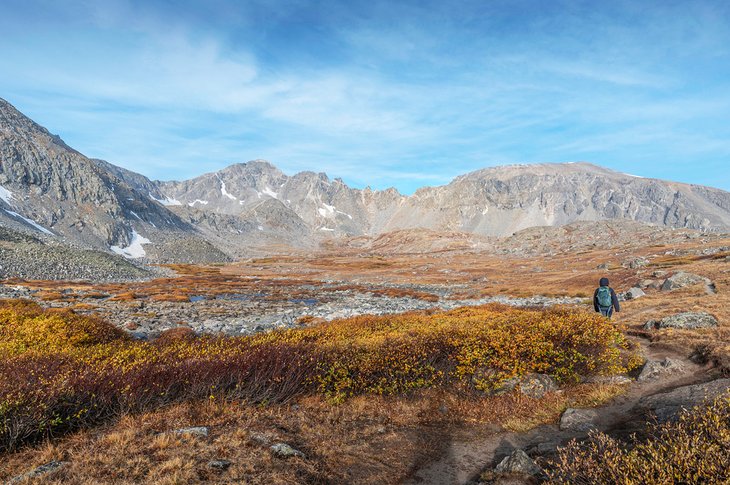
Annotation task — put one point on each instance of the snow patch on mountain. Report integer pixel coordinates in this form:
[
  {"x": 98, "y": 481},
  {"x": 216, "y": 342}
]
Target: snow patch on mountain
[
  {"x": 5, "y": 195},
  {"x": 270, "y": 193},
  {"x": 31, "y": 222},
  {"x": 225, "y": 192},
  {"x": 135, "y": 249},
  {"x": 167, "y": 201}
]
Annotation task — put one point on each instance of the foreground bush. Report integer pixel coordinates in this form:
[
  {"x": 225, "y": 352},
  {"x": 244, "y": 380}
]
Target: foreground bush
[
  {"x": 61, "y": 371},
  {"x": 695, "y": 449}
]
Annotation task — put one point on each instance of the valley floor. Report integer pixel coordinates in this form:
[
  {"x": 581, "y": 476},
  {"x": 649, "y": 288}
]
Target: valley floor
[{"x": 428, "y": 436}]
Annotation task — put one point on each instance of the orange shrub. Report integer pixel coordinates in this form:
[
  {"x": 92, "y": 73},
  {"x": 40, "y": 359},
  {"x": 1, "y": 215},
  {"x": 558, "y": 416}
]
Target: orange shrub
[{"x": 62, "y": 370}]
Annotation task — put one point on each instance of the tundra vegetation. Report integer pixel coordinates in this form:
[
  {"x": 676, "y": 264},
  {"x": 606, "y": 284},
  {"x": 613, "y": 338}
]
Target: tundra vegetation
[{"x": 63, "y": 371}]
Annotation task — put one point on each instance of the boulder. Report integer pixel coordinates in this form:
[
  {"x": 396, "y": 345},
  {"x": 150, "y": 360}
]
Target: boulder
[
  {"x": 686, "y": 320},
  {"x": 644, "y": 284},
  {"x": 578, "y": 420},
  {"x": 284, "y": 450},
  {"x": 668, "y": 405},
  {"x": 655, "y": 369},
  {"x": 518, "y": 462},
  {"x": 682, "y": 280},
  {"x": 634, "y": 293},
  {"x": 635, "y": 263}
]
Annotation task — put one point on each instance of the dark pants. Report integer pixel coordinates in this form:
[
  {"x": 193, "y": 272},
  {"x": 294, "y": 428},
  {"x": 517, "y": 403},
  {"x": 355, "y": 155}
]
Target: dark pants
[{"x": 606, "y": 312}]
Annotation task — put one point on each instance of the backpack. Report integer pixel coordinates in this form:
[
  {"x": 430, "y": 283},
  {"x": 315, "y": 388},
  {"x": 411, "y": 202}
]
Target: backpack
[{"x": 604, "y": 297}]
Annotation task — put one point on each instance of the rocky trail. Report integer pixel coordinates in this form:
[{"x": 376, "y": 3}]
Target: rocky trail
[{"x": 668, "y": 382}]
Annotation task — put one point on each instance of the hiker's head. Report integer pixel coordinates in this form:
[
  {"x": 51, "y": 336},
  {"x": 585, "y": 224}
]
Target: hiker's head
[{"x": 604, "y": 282}]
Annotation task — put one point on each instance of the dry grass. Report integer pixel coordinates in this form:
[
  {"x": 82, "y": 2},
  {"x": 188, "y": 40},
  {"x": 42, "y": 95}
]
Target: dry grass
[{"x": 367, "y": 440}]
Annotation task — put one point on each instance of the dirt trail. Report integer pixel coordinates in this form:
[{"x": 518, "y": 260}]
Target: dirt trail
[{"x": 471, "y": 451}]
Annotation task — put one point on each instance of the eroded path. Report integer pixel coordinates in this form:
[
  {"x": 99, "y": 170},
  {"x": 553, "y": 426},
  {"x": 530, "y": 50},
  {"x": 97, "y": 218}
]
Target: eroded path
[{"x": 470, "y": 451}]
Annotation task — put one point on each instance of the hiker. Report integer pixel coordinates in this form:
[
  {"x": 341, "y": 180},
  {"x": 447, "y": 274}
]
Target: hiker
[{"x": 605, "y": 299}]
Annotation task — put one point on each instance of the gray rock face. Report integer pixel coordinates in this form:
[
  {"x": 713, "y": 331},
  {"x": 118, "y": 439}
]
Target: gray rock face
[
  {"x": 667, "y": 406},
  {"x": 682, "y": 280},
  {"x": 53, "y": 191},
  {"x": 518, "y": 462},
  {"x": 578, "y": 420},
  {"x": 656, "y": 369},
  {"x": 686, "y": 320}
]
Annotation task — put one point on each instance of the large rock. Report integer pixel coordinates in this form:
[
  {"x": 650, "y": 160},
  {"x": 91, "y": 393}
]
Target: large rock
[
  {"x": 635, "y": 263},
  {"x": 668, "y": 405},
  {"x": 634, "y": 293},
  {"x": 682, "y": 280},
  {"x": 518, "y": 462},
  {"x": 578, "y": 420},
  {"x": 686, "y": 320},
  {"x": 656, "y": 369}
]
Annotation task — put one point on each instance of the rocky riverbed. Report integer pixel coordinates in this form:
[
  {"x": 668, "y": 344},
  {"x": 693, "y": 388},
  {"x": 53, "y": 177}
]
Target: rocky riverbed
[{"x": 247, "y": 313}]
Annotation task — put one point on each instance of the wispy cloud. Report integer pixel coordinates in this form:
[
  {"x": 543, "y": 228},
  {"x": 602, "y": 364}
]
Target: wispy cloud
[{"x": 380, "y": 93}]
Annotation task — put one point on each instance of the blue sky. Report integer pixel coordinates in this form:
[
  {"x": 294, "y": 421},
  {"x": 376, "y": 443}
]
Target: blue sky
[{"x": 380, "y": 93}]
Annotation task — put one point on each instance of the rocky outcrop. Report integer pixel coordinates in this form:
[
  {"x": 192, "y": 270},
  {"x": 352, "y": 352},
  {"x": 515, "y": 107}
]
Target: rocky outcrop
[{"x": 686, "y": 320}]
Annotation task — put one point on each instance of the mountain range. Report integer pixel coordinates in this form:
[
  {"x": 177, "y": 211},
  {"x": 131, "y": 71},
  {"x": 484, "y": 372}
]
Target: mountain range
[{"x": 53, "y": 191}]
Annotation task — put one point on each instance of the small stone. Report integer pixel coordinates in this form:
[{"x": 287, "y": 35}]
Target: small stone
[
  {"x": 199, "y": 431},
  {"x": 578, "y": 420},
  {"x": 49, "y": 467},
  {"x": 219, "y": 464},
  {"x": 619, "y": 379},
  {"x": 518, "y": 462},
  {"x": 656, "y": 369},
  {"x": 284, "y": 450}
]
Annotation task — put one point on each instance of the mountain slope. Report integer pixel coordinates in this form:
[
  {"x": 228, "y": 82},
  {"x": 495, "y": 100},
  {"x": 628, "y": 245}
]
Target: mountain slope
[
  {"x": 48, "y": 187},
  {"x": 494, "y": 202},
  {"x": 251, "y": 208}
]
